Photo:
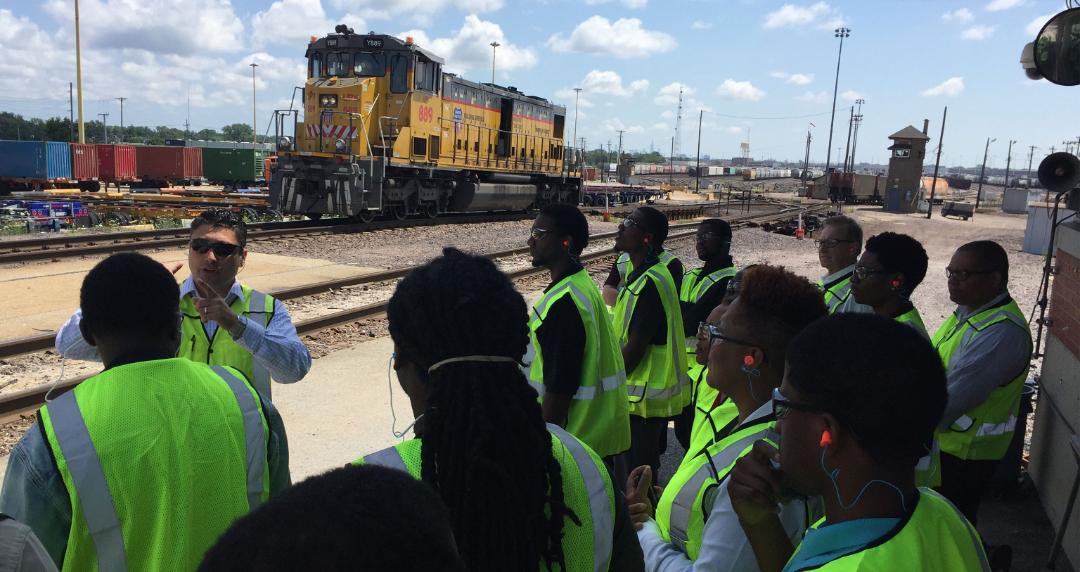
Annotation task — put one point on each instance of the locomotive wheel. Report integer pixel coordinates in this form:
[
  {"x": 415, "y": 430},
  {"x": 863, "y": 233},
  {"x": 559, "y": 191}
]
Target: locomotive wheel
[
  {"x": 431, "y": 210},
  {"x": 366, "y": 216},
  {"x": 399, "y": 212}
]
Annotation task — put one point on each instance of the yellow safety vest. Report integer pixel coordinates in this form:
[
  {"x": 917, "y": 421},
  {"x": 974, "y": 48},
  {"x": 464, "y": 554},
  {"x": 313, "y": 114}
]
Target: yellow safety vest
[
  {"x": 984, "y": 432},
  {"x": 928, "y": 469},
  {"x": 221, "y": 349},
  {"x": 587, "y": 491},
  {"x": 681, "y": 511},
  {"x": 836, "y": 292},
  {"x": 709, "y": 416},
  {"x": 659, "y": 386},
  {"x": 935, "y": 537},
  {"x": 694, "y": 286},
  {"x": 158, "y": 459},
  {"x": 599, "y": 414}
]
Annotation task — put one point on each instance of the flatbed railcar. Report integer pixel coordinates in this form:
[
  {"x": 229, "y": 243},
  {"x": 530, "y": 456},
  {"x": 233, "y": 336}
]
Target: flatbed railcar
[{"x": 386, "y": 132}]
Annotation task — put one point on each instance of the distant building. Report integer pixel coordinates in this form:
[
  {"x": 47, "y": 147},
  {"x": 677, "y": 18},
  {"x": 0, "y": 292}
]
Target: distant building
[{"x": 905, "y": 168}]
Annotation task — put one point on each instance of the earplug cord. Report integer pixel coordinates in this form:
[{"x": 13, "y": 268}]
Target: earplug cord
[{"x": 834, "y": 475}]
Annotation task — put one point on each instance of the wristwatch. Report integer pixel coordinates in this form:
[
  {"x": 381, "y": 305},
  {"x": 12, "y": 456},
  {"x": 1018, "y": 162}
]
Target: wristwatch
[{"x": 241, "y": 327}]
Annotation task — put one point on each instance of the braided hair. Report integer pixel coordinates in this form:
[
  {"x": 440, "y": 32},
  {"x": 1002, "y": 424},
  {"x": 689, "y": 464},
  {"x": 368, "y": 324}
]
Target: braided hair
[{"x": 486, "y": 448}]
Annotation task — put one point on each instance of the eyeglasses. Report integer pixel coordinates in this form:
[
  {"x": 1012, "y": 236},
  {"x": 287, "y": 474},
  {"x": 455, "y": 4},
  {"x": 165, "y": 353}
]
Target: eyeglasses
[
  {"x": 781, "y": 406},
  {"x": 962, "y": 275},
  {"x": 221, "y": 249},
  {"x": 538, "y": 233},
  {"x": 864, "y": 272},
  {"x": 714, "y": 333},
  {"x": 829, "y": 242},
  {"x": 629, "y": 222}
]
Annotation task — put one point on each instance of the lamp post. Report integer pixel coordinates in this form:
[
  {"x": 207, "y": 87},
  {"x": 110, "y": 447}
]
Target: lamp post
[
  {"x": 493, "y": 46},
  {"x": 253, "y": 122},
  {"x": 577, "y": 95},
  {"x": 121, "y": 138},
  {"x": 838, "y": 33},
  {"x": 78, "y": 75},
  {"x": 1008, "y": 162},
  {"x": 982, "y": 174},
  {"x": 855, "y": 136}
]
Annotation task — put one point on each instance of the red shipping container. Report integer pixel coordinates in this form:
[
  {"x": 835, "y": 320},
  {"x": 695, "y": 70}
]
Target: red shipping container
[
  {"x": 84, "y": 162},
  {"x": 116, "y": 162},
  {"x": 169, "y": 163}
]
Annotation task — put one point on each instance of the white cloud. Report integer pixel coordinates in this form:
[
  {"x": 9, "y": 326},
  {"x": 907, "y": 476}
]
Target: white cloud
[
  {"x": 667, "y": 114},
  {"x": 801, "y": 79},
  {"x": 815, "y": 97},
  {"x": 1035, "y": 26},
  {"x": 742, "y": 90},
  {"x": 184, "y": 27},
  {"x": 961, "y": 15},
  {"x": 732, "y": 130},
  {"x": 661, "y": 126},
  {"x": 669, "y": 94},
  {"x": 616, "y": 124},
  {"x": 607, "y": 82},
  {"x": 421, "y": 12},
  {"x": 951, "y": 87},
  {"x": 979, "y": 32},
  {"x": 701, "y": 25},
  {"x": 780, "y": 74},
  {"x": 469, "y": 47},
  {"x": 852, "y": 95},
  {"x": 632, "y": 4},
  {"x": 820, "y": 14},
  {"x": 291, "y": 22},
  {"x": 625, "y": 38},
  {"x": 999, "y": 5},
  {"x": 567, "y": 95}
]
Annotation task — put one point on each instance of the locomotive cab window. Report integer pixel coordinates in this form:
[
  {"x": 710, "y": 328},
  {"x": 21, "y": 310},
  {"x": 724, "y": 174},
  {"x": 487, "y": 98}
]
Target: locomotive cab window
[
  {"x": 399, "y": 74},
  {"x": 315, "y": 66},
  {"x": 337, "y": 64},
  {"x": 425, "y": 75},
  {"x": 367, "y": 64}
]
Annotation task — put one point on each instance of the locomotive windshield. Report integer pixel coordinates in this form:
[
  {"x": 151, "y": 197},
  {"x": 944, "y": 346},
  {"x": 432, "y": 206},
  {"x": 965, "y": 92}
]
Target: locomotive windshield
[
  {"x": 367, "y": 64},
  {"x": 345, "y": 64}
]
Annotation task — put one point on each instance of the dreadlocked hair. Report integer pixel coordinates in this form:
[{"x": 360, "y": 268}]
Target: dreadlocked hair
[{"x": 486, "y": 448}]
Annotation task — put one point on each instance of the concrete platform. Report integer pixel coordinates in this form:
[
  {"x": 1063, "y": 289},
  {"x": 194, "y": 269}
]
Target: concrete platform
[{"x": 40, "y": 297}]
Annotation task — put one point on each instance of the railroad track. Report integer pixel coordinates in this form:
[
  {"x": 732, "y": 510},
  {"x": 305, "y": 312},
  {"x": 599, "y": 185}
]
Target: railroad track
[
  {"x": 106, "y": 243},
  {"x": 29, "y": 399}
]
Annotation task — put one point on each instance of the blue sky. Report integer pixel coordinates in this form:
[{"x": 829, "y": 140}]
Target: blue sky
[{"x": 752, "y": 65}]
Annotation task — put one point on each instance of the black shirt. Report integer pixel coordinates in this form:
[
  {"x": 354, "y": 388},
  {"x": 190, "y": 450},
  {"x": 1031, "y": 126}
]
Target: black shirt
[
  {"x": 696, "y": 312},
  {"x": 649, "y": 317},
  {"x": 562, "y": 344}
]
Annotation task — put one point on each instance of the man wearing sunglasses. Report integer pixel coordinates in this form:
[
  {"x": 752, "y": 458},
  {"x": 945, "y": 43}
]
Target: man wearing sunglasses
[
  {"x": 573, "y": 359},
  {"x": 986, "y": 348},
  {"x": 851, "y": 431},
  {"x": 702, "y": 290},
  {"x": 623, "y": 266},
  {"x": 259, "y": 338},
  {"x": 838, "y": 244}
]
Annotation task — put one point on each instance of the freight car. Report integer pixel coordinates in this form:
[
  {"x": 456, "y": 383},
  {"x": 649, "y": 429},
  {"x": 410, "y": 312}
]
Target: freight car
[
  {"x": 386, "y": 131},
  {"x": 164, "y": 166},
  {"x": 234, "y": 168},
  {"x": 761, "y": 173},
  {"x": 34, "y": 165}
]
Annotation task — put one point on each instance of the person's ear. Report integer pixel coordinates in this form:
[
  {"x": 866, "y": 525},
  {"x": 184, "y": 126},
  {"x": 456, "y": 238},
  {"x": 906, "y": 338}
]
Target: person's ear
[{"x": 86, "y": 334}]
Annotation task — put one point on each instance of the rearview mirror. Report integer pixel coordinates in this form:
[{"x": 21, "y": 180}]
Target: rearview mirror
[{"x": 1057, "y": 48}]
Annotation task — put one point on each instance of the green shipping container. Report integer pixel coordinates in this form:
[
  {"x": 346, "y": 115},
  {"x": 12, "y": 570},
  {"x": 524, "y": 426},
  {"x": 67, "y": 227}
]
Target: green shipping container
[{"x": 233, "y": 167}]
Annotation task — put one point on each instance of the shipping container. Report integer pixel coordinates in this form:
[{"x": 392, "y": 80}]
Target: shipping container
[
  {"x": 84, "y": 162},
  {"x": 116, "y": 163},
  {"x": 169, "y": 165},
  {"x": 233, "y": 167},
  {"x": 35, "y": 161}
]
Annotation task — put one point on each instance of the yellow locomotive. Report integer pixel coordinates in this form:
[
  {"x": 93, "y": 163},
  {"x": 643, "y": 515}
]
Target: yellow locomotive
[{"x": 385, "y": 131}]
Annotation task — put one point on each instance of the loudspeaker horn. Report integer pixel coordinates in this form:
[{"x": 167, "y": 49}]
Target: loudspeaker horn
[{"x": 1059, "y": 172}]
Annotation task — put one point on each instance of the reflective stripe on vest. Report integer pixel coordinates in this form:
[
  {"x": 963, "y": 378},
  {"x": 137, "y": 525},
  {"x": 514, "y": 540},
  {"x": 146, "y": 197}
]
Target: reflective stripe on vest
[
  {"x": 625, "y": 267},
  {"x": 715, "y": 468},
  {"x": 599, "y": 501},
  {"x": 837, "y": 293},
  {"x": 389, "y": 458},
  {"x": 694, "y": 286},
  {"x": 89, "y": 479},
  {"x": 254, "y": 437}
]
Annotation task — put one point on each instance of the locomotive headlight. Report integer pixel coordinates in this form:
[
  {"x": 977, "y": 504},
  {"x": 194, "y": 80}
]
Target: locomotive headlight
[
  {"x": 340, "y": 146},
  {"x": 284, "y": 144},
  {"x": 328, "y": 100}
]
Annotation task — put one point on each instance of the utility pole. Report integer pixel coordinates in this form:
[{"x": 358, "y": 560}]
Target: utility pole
[
  {"x": 253, "y": 121},
  {"x": 847, "y": 146},
  {"x": 78, "y": 75},
  {"x": 837, "y": 33},
  {"x": 121, "y": 99},
  {"x": 697, "y": 178},
  {"x": 1031, "y": 155},
  {"x": 806, "y": 160},
  {"x": 855, "y": 135},
  {"x": 71, "y": 110},
  {"x": 1008, "y": 160},
  {"x": 105, "y": 125},
  {"x": 937, "y": 162},
  {"x": 678, "y": 126},
  {"x": 982, "y": 174},
  {"x": 671, "y": 162},
  {"x": 607, "y": 157},
  {"x": 577, "y": 95},
  {"x": 618, "y": 158},
  {"x": 493, "y": 46}
]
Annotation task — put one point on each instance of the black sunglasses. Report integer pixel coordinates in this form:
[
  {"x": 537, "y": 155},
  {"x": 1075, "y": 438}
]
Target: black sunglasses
[
  {"x": 221, "y": 249},
  {"x": 864, "y": 272},
  {"x": 782, "y": 406}
]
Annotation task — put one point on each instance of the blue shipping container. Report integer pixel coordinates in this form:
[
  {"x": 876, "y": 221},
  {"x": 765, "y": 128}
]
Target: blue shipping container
[{"x": 36, "y": 160}]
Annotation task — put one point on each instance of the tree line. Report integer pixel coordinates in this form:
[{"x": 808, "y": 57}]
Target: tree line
[{"x": 15, "y": 127}]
